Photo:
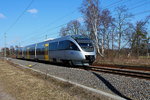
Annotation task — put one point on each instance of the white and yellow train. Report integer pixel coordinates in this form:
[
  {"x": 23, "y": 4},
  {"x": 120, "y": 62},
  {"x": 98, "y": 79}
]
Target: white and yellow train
[{"x": 76, "y": 50}]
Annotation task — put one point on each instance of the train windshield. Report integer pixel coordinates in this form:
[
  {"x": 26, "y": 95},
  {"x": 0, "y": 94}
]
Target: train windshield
[
  {"x": 85, "y": 43},
  {"x": 88, "y": 47}
]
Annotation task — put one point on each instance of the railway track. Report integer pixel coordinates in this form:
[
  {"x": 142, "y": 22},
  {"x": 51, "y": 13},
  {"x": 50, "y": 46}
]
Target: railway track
[
  {"x": 125, "y": 72},
  {"x": 142, "y": 74}
]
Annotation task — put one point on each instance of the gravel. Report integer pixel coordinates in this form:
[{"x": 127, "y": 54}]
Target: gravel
[{"x": 126, "y": 87}]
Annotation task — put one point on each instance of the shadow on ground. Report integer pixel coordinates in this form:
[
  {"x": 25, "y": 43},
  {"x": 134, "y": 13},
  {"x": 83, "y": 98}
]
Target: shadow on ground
[{"x": 110, "y": 86}]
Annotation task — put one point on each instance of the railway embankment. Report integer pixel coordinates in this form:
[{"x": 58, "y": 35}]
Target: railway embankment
[
  {"x": 121, "y": 86},
  {"x": 129, "y": 63},
  {"x": 21, "y": 84}
]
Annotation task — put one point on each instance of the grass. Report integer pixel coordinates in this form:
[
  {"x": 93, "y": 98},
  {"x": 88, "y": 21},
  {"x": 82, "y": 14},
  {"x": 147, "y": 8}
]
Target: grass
[
  {"x": 141, "y": 61},
  {"x": 144, "y": 57},
  {"x": 24, "y": 84}
]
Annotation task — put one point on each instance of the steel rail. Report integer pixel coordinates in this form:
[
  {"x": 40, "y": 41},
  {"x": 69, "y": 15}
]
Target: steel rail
[{"x": 131, "y": 73}]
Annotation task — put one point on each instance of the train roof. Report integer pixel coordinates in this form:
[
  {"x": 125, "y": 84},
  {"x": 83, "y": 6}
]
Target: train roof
[
  {"x": 49, "y": 39},
  {"x": 72, "y": 36},
  {"x": 61, "y": 38}
]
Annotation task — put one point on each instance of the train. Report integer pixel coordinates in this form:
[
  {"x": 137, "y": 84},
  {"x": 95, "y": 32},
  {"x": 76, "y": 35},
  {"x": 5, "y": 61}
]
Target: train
[{"x": 73, "y": 50}]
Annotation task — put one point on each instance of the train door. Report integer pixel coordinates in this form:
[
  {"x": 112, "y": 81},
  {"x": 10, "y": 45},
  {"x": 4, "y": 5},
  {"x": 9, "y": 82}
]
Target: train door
[
  {"x": 46, "y": 55},
  {"x": 35, "y": 56},
  {"x": 28, "y": 56},
  {"x": 22, "y": 54},
  {"x": 19, "y": 53}
]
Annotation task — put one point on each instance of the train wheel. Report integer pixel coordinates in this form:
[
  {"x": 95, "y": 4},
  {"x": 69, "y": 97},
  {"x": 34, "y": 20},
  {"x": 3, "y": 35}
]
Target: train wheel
[
  {"x": 54, "y": 60},
  {"x": 36, "y": 59},
  {"x": 71, "y": 63},
  {"x": 68, "y": 63},
  {"x": 65, "y": 62}
]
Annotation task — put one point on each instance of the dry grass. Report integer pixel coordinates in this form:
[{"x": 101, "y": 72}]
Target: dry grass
[
  {"x": 25, "y": 84},
  {"x": 131, "y": 61}
]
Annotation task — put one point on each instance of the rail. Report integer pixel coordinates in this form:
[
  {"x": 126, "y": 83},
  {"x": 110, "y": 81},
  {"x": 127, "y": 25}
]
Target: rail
[{"x": 126, "y": 72}]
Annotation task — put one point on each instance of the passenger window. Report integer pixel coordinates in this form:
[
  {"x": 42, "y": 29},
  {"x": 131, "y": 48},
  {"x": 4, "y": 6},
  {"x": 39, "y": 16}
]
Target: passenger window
[
  {"x": 72, "y": 46},
  {"x": 63, "y": 45},
  {"x": 53, "y": 46}
]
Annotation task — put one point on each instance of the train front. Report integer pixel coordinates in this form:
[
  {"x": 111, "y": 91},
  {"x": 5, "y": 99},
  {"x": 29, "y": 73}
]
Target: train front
[{"x": 88, "y": 52}]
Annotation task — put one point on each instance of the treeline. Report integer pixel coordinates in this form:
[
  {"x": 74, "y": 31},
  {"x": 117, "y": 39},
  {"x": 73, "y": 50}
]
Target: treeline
[
  {"x": 8, "y": 52},
  {"x": 113, "y": 33}
]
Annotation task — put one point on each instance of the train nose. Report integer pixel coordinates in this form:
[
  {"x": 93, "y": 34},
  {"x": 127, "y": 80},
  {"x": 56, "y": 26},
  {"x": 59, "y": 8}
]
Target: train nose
[{"x": 90, "y": 58}]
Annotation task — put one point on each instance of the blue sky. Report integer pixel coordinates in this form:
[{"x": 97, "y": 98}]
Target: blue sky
[{"x": 43, "y": 16}]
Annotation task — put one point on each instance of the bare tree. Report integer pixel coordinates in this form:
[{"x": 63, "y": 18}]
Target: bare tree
[
  {"x": 63, "y": 31},
  {"x": 91, "y": 12},
  {"x": 7, "y": 51},
  {"x": 74, "y": 27},
  {"x": 83, "y": 31},
  {"x": 106, "y": 22},
  {"x": 128, "y": 35},
  {"x": 113, "y": 35},
  {"x": 122, "y": 23}
]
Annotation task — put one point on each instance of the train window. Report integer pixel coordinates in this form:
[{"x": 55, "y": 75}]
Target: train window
[
  {"x": 24, "y": 51},
  {"x": 32, "y": 51},
  {"x": 63, "y": 45},
  {"x": 53, "y": 46},
  {"x": 39, "y": 49},
  {"x": 72, "y": 46},
  {"x": 67, "y": 45},
  {"x": 88, "y": 47},
  {"x": 43, "y": 51},
  {"x": 85, "y": 43},
  {"x": 20, "y": 51}
]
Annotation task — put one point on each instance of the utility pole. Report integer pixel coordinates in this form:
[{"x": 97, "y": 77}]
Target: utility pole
[
  {"x": 46, "y": 37},
  {"x": 5, "y": 44}
]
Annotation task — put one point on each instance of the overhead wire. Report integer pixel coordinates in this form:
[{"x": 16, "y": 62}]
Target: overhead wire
[
  {"x": 146, "y": 11},
  {"x": 13, "y": 24},
  {"x": 140, "y": 5},
  {"x": 65, "y": 23},
  {"x": 17, "y": 19},
  {"x": 49, "y": 30},
  {"x": 58, "y": 19},
  {"x": 75, "y": 10},
  {"x": 46, "y": 31},
  {"x": 114, "y": 3}
]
